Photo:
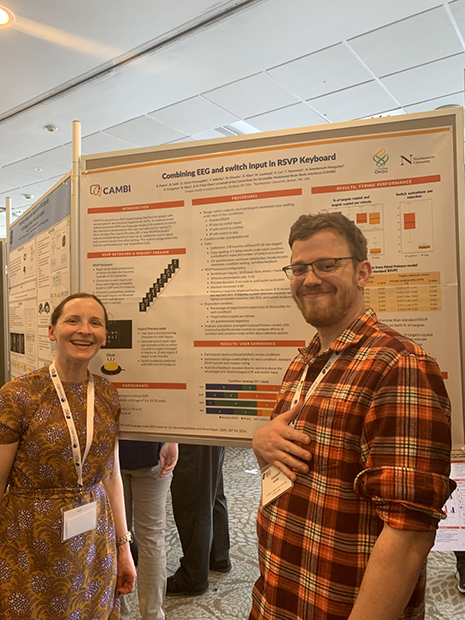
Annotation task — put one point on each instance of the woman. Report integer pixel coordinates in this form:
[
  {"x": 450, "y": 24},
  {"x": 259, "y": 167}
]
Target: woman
[{"x": 64, "y": 546}]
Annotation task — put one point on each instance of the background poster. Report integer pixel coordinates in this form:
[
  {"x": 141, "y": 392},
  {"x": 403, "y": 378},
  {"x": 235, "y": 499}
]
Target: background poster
[
  {"x": 187, "y": 253},
  {"x": 450, "y": 535},
  {"x": 39, "y": 278}
]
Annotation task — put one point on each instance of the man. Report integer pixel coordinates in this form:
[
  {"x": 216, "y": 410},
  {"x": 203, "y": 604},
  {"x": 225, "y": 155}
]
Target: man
[
  {"x": 146, "y": 470},
  {"x": 369, "y": 455},
  {"x": 201, "y": 514},
  {"x": 460, "y": 572}
]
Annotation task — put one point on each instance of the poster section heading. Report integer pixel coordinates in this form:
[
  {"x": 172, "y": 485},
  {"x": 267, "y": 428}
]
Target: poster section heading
[{"x": 190, "y": 264}]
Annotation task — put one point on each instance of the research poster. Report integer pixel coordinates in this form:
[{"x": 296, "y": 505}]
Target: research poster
[
  {"x": 187, "y": 253},
  {"x": 39, "y": 278},
  {"x": 450, "y": 535}
]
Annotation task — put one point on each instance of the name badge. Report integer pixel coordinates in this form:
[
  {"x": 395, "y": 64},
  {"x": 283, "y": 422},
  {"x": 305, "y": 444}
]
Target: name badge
[
  {"x": 274, "y": 484},
  {"x": 79, "y": 520}
]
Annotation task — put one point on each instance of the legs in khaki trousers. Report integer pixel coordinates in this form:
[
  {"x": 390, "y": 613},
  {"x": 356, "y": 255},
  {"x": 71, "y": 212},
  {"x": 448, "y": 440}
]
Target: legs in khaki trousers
[{"x": 145, "y": 499}]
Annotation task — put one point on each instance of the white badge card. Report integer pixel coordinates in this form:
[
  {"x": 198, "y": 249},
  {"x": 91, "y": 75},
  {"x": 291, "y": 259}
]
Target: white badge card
[
  {"x": 274, "y": 484},
  {"x": 79, "y": 520}
]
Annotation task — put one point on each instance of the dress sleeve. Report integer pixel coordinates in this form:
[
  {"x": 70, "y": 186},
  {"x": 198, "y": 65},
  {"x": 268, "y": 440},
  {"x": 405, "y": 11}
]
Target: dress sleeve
[
  {"x": 406, "y": 446},
  {"x": 10, "y": 414},
  {"x": 109, "y": 393}
]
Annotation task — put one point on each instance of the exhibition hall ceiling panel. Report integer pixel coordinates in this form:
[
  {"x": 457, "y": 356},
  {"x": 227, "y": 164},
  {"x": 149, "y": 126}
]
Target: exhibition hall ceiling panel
[
  {"x": 413, "y": 41},
  {"x": 10, "y": 176},
  {"x": 101, "y": 142},
  {"x": 360, "y": 101},
  {"x": 37, "y": 169},
  {"x": 298, "y": 115},
  {"x": 426, "y": 82},
  {"x": 193, "y": 115},
  {"x": 60, "y": 156},
  {"x": 458, "y": 11},
  {"x": 320, "y": 73},
  {"x": 433, "y": 104},
  {"x": 251, "y": 96},
  {"x": 144, "y": 131}
]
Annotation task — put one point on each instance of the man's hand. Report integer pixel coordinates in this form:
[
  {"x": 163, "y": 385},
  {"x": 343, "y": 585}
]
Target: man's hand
[
  {"x": 277, "y": 443},
  {"x": 168, "y": 458}
]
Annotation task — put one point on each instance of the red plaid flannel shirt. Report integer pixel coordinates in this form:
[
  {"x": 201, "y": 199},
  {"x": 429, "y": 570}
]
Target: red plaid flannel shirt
[{"x": 380, "y": 428}]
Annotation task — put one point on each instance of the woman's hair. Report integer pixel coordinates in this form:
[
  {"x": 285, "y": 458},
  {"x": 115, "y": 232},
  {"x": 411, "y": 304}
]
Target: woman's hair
[
  {"x": 308, "y": 225},
  {"x": 59, "y": 309}
]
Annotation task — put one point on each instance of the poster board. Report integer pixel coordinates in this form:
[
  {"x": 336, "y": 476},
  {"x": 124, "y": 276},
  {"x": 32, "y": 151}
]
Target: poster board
[
  {"x": 3, "y": 315},
  {"x": 450, "y": 535},
  {"x": 38, "y": 277},
  {"x": 185, "y": 245}
]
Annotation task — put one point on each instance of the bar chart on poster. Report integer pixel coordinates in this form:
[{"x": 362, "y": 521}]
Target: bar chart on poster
[{"x": 186, "y": 244}]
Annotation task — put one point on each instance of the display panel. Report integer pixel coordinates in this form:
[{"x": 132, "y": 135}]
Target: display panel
[{"x": 185, "y": 245}]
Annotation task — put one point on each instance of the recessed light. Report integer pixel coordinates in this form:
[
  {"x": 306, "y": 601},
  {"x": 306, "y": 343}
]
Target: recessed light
[
  {"x": 51, "y": 128},
  {"x": 6, "y": 16},
  {"x": 38, "y": 169},
  {"x": 28, "y": 196}
]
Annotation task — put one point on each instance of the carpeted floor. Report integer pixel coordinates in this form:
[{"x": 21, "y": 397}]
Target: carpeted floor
[{"x": 229, "y": 595}]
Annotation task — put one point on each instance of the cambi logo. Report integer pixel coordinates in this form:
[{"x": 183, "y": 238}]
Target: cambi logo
[
  {"x": 381, "y": 158},
  {"x": 98, "y": 190}
]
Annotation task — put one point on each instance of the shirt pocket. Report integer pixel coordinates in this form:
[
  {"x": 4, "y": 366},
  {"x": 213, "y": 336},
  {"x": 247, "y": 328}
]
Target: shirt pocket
[{"x": 326, "y": 424}]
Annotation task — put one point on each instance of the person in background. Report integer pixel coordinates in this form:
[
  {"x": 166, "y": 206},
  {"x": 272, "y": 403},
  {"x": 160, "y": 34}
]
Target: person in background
[
  {"x": 64, "y": 544},
  {"x": 146, "y": 469},
  {"x": 362, "y": 431},
  {"x": 460, "y": 572},
  {"x": 201, "y": 514}
]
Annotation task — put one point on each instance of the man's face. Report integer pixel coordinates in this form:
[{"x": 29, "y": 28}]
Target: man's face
[{"x": 333, "y": 299}]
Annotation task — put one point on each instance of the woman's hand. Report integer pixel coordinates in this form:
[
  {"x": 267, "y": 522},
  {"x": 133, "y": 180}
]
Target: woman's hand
[{"x": 126, "y": 572}]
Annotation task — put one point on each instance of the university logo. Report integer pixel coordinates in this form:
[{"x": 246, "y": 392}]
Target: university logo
[
  {"x": 381, "y": 158},
  {"x": 406, "y": 159}
]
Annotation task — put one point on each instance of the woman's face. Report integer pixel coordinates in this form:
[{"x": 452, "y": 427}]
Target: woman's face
[{"x": 80, "y": 330}]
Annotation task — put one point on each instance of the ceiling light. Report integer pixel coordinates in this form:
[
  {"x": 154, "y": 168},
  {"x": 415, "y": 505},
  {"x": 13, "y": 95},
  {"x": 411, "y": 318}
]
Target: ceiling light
[
  {"x": 51, "y": 128},
  {"x": 241, "y": 128},
  {"x": 38, "y": 169},
  {"x": 6, "y": 16},
  {"x": 28, "y": 196}
]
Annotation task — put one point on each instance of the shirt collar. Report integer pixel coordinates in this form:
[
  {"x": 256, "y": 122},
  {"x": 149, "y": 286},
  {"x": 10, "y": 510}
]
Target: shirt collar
[{"x": 349, "y": 337}]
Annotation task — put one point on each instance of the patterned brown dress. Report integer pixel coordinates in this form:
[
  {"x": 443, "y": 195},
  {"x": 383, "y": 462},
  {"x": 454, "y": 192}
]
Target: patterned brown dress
[{"x": 41, "y": 577}]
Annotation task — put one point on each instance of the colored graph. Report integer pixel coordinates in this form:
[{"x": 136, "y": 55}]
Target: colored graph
[
  {"x": 416, "y": 226},
  {"x": 240, "y": 399}
]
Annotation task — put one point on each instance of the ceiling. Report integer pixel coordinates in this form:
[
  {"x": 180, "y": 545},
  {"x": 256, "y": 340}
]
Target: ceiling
[{"x": 163, "y": 72}]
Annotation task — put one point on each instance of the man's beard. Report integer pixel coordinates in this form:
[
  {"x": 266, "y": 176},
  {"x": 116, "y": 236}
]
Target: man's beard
[{"x": 328, "y": 311}]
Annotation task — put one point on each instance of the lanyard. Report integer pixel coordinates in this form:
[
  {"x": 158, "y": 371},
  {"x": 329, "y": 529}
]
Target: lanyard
[
  {"x": 314, "y": 385},
  {"x": 78, "y": 462}
]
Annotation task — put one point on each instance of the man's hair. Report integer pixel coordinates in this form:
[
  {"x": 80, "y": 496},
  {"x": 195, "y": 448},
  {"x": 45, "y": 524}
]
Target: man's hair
[
  {"x": 59, "y": 309},
  {"x": 308, "y": 225}
]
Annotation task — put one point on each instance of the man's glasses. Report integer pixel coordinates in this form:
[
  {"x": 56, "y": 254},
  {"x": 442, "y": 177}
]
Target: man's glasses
[{"x": 320, "y": 267}]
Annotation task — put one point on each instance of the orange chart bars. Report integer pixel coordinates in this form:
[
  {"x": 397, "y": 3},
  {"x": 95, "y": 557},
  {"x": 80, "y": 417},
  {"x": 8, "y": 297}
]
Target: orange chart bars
[
  {"x": 409, "y": 221},
  {"x": 240, "y": 399}
]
